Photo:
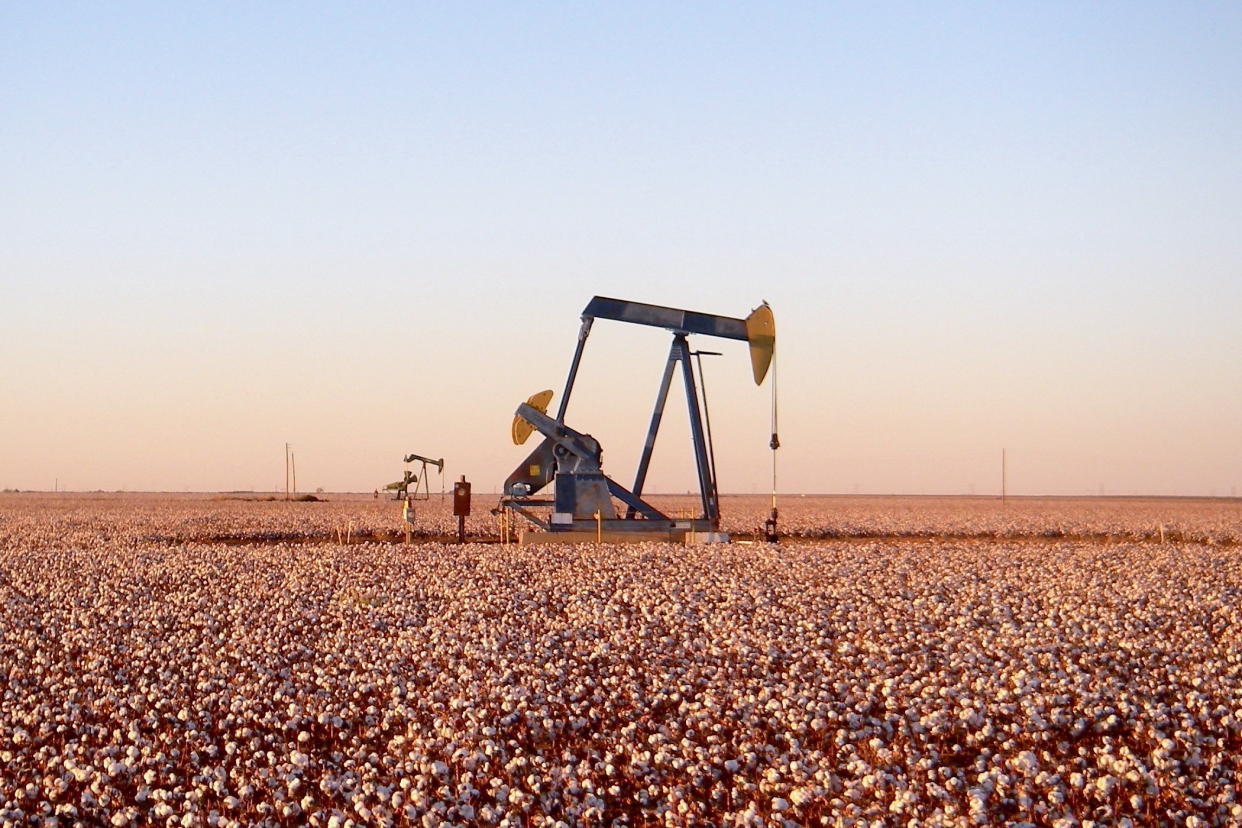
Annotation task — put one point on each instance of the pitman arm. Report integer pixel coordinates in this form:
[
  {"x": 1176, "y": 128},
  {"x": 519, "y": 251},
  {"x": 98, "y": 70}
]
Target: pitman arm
[
  {"x": 582, "y": 447},
  {"x": 561, "y": 445}
]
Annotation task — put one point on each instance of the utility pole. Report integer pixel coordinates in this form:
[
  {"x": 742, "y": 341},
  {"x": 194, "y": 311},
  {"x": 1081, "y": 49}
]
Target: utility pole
[
  {"x": 286, "y": 471},
  {"x": 293, "y": 463},
  {"x": 1004, "y": 482}
]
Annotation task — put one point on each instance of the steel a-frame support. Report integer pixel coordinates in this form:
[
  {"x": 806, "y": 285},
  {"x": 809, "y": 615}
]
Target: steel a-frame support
[{"x": 680, "y": 352}]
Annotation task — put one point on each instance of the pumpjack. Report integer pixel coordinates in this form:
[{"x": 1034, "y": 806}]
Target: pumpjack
[
  {"x": 401, "y": 488},
  {"x": 570, "y": 460}
]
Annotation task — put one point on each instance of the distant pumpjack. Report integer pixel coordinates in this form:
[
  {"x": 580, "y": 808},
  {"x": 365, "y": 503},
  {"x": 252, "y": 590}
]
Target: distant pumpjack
[{"x": 401, "y": 488}]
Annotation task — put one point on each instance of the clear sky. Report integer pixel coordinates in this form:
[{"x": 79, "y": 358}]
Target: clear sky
[{"x": 369, "y": 229}]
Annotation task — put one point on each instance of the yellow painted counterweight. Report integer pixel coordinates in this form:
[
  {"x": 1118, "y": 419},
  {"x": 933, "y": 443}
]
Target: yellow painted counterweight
[
  {"x": 522, "y": 429},
  {"x": 761, "y": 334}
]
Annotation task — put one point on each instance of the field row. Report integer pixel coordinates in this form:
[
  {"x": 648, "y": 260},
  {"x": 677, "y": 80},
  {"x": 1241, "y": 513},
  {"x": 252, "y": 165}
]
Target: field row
[{"x": 67, "y": 520}]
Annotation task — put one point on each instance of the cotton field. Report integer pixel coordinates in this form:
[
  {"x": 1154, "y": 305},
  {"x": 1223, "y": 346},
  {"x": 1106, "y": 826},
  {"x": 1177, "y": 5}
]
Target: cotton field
[{"x": 197, "y": 661}]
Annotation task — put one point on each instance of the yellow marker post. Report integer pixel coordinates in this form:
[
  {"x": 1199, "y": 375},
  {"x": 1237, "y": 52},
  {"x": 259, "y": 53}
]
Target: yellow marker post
[{"x": 599, "y": 527}]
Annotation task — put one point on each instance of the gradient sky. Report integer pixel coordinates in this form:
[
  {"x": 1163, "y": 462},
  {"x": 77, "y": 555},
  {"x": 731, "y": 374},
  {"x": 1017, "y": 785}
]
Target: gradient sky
[{"x": 369, "y": 229}]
